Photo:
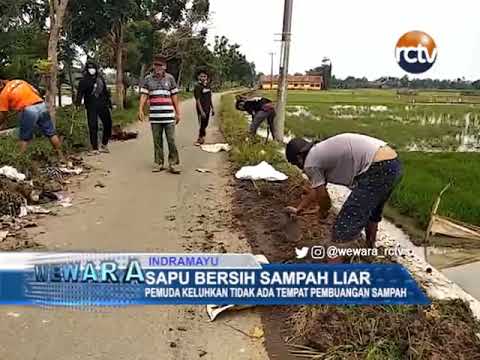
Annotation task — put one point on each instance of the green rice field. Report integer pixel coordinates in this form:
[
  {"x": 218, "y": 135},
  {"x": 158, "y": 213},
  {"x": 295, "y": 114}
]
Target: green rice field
[{"x": 436, "y": 133}]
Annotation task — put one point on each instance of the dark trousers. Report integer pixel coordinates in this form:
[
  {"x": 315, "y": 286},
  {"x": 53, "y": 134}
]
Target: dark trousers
[
  {"x": 157, "y": 132},
  {"x": 260, "y": 117},
  {"x": 203, "y": 123},
  {"x": 102, "y": 112},
  {"x": 367, "y": 200}
]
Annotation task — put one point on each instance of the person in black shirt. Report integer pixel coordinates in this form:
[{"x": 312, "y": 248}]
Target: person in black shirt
[
  {"x": 260, "y": 108},
  {"x": 203, "y": 104},
  {"x": 97, "y": 99}
]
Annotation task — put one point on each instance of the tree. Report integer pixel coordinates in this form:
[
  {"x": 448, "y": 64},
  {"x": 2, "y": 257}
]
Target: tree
[
  {"x": 24, "y": 38},
  {"x": 404, "y": 81},
  {"x": 104, "y": 25},
  {"x": 186, "y": 42},
  {"x": 325, "y": 70},
  {"x": 231, "y": 65},
  {"x": 57, "y": 13}
]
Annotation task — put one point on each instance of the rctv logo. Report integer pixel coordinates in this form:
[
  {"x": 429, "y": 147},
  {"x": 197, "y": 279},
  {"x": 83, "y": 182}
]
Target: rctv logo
[{"x": 416, "y": 52}]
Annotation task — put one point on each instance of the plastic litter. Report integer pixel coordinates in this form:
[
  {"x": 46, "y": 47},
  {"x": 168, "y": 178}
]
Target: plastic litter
[
  {"x": 214, "y": 310},
  {"x": 12, "y": 173},
  {"x": 262, "y": 171},
  {"x": 23, "y": 212},
  {"x": 75, "y": 171},
  {"x": 215, "y": 148},
  {"x": 37, "y": 210},
  {"x": 3, "y": 235},
  {"x": 204, "y": 170},
  {"x": 63, "y": 199}
]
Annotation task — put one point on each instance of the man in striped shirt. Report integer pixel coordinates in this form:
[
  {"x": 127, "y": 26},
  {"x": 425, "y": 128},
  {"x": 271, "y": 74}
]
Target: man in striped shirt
[{"x": 160, "y": 89}]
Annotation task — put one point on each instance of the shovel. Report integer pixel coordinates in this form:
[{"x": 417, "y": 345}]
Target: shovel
[
  {"x": 291, "y": 228},
  {"x": 72, "y": 120}
]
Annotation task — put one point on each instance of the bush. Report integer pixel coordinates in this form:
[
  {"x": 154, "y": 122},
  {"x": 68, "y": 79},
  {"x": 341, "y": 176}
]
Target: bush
[{"x": 40, "y": 149}]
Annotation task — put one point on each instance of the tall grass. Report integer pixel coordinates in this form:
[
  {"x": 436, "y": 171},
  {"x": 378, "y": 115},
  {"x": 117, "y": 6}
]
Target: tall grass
[
  {"x": 40, "y": 149},
  {"x": 246, "y": 151},
  {"x": 425, "y": 175}
]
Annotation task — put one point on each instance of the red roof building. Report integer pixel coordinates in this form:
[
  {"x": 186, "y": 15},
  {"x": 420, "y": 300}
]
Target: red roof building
[{"x": 295, "y": 82}]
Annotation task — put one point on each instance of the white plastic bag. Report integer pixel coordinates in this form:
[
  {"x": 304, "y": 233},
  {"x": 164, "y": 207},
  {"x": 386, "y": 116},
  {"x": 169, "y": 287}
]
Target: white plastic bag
[{"x": 262, "y": 171}]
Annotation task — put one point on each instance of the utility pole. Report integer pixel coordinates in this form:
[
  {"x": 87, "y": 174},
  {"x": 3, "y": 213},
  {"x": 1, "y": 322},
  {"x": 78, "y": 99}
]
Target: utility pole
[
  {"x": 283, "y": 73},
  {"x": 271, "y": 71}
]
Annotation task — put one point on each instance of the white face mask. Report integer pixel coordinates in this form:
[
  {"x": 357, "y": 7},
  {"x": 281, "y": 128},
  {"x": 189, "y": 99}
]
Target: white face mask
[{"x": 92, "y": 71}]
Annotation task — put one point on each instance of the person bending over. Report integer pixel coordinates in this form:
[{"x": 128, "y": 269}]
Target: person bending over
[{"x": 365, "y": 164}]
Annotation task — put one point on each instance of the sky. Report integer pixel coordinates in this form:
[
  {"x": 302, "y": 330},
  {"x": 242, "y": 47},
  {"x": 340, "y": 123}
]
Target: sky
[{"x": 358, "y": 36}]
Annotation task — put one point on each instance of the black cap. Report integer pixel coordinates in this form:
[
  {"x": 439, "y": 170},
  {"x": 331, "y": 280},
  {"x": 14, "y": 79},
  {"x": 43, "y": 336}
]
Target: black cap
[
  {"x": 297, "y": 147},
  {"x": 91, "y": 65}
]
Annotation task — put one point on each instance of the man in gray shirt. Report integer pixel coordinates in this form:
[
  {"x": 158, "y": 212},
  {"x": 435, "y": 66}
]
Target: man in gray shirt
[{"x": 366, "y": 165}]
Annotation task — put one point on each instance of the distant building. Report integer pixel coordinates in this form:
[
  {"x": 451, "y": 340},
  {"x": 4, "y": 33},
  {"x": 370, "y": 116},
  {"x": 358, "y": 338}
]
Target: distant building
[{"x": 303, "y": 82}]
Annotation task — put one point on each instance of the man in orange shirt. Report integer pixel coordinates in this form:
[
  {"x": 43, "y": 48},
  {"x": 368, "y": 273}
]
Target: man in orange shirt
[{"x": 20, "y": 96}]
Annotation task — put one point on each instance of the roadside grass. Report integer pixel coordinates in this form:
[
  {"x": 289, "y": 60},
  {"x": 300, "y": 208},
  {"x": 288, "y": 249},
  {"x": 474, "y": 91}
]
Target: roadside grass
[
  {"x": 40, "y": 150},
  {"x": 247, "y": 151}
]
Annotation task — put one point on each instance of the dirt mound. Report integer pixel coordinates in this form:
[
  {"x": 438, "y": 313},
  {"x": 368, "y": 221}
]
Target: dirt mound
[
  {"x": 445, "y": 330},
  {"x": 259, "y": 211}
]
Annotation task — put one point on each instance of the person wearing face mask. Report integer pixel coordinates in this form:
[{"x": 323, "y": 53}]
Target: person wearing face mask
[
  {"x": 93, "y": 90},
  {"x": 203, "y": 104}
]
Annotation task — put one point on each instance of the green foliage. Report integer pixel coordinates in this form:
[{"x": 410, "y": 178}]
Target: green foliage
[
  {"x": 40, "y": 150},
  {"x": 20, "y": 49},
  {"x": 389, "y": 82},
  {"x": 426, "y": 174},
  {"x": 230, "y": 64}
]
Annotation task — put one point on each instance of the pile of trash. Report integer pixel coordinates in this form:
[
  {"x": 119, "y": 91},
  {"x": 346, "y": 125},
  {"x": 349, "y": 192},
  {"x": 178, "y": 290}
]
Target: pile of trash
[
  {"x": 13, "y": 234},
  {"x": 22, "y": 195}
]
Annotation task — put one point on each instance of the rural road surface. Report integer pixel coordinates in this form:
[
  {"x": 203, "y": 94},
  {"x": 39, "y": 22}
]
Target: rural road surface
[{"x": 138, "y": 210}]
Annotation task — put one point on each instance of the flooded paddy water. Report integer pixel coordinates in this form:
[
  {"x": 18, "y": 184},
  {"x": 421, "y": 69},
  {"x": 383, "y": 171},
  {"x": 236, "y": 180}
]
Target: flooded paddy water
[{"x": 423, "y": 128}]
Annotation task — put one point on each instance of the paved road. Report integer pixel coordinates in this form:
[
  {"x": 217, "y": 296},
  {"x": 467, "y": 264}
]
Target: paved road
[{"x": 133, "y": 212}]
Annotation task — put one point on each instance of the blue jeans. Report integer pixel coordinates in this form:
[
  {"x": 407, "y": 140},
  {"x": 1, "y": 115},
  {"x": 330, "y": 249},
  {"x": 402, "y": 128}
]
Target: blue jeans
[
  {"x": 35, "y": 115},
  {"x": 367, "y": 200}
]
